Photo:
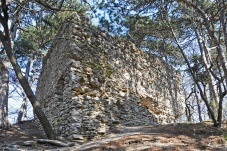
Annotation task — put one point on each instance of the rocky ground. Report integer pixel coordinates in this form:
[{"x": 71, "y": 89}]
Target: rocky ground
[{"x": 184, "y": 136}]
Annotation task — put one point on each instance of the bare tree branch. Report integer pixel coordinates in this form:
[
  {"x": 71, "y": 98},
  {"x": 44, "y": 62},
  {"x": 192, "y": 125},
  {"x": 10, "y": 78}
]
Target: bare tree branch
[{"x": 46, "y": 5}]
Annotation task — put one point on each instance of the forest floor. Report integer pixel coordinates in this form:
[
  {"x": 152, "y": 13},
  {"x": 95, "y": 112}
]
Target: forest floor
[{"x": 182, "y": 136}]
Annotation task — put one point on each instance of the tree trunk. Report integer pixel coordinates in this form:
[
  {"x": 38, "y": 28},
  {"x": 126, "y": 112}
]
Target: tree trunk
[
  {"x": 198, "y": 105},
  {"x": 7, "y": 42},
  {"x": 22, "y": 109},
  {"x": 220, "y": 110},
  {"x": 220, "y": 107},
  {"x": 188, "y": 107},
  {"x": 188, "y": 113},
  {"x": 28, "y": 91},
  {"x": 4, "y": 88},
  {"x": 24, "y": 103},
  {"x": 223, "y": 19}
]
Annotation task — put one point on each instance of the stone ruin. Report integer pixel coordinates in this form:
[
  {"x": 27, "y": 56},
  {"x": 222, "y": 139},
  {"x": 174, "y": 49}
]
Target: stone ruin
[{"x": 91, "y": 82}]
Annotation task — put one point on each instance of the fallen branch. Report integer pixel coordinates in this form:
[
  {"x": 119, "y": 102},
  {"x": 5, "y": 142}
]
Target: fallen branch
[{"x": 55, "y": 142}]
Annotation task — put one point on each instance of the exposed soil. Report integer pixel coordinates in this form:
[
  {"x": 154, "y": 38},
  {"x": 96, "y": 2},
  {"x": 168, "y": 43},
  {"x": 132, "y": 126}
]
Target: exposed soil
[{"x": 184, "y": 136}]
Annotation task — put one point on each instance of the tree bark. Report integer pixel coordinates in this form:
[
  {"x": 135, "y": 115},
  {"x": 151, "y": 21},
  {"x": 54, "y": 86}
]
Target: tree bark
[
  {"x": 223, "y": 19},
  {"x": 220, "y": 110},
  {"x": 198, "y": 105},
  {"x": 4, "y": 88},
  {"x": 22, "y": 109},
  {"x": 188, "y": 107}
]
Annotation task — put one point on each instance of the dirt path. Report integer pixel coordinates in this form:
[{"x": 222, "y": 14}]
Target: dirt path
[
  {"x": 187, "y": 137},
  {"x": 162, "y": 137}
]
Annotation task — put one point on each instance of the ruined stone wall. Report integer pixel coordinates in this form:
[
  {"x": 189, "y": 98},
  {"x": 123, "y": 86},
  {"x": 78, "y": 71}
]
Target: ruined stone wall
[{"x": 91, "y": 82}]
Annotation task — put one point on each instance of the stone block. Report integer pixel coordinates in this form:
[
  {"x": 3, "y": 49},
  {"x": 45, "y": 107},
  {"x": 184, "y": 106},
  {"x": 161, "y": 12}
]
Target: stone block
[{"x": 77, "y": 137}]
